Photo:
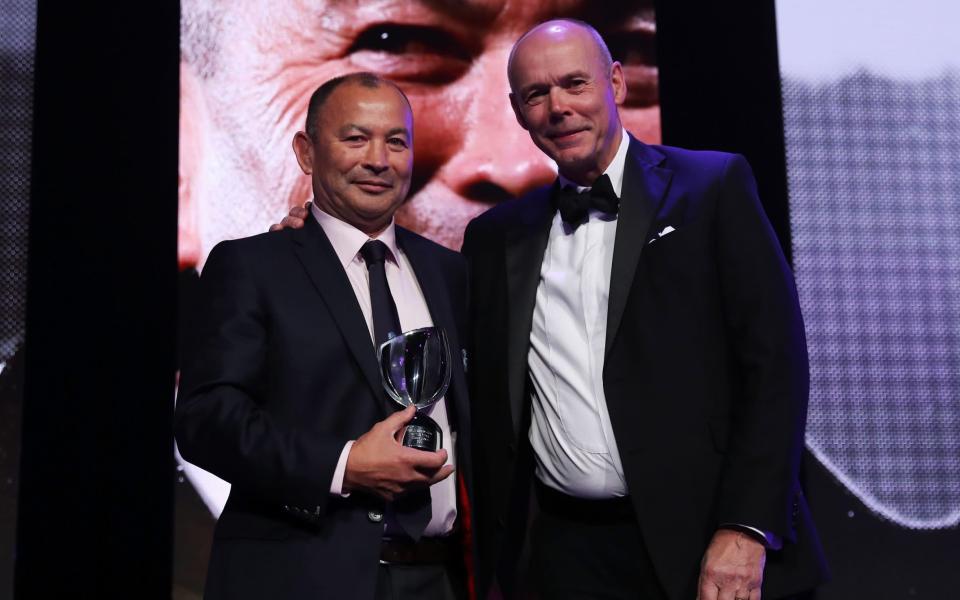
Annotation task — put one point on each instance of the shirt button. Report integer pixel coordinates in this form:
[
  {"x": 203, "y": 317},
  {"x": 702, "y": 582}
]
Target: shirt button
[{"x": 375, "y": 516}]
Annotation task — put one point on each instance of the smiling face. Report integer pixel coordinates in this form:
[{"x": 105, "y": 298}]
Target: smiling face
[
  {"x": 359, "y": 159},
  {"x": 565, "y": 93},
  {"x": 249, "y": 69}
]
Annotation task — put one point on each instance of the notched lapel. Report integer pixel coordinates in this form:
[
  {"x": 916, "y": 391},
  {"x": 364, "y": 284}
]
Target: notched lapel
[
  {"x": 318, "y": 258},
  {"x": 526, "y": 244},
  {"x": 644, "y": 186}
]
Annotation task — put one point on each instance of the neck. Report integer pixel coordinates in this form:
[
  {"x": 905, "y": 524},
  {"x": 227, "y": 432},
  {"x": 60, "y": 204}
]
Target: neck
[{"x": 371, "y": 228}]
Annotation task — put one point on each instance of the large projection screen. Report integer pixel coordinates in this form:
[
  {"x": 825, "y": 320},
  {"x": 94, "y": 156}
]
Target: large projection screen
[
  {"x": 247, "y": 73},
  {"x": 871, "y": 98}
]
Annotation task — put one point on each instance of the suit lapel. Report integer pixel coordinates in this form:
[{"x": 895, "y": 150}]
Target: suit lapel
[
  {"x": 526, "y": 244},
  {"x": 644, "y": 186},
  {"x": 318, "y": 258}
]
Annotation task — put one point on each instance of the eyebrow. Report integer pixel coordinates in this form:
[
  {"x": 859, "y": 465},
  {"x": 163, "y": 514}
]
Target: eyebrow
[
  {"x": 578, "y": 74},
  {"x": 473, "y": 12},
  {"x": 368, "y": 132}
]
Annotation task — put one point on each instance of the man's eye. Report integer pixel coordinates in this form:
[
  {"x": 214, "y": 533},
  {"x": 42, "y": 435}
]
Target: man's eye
[
  {"x": 636, "y": 51},
  {"x": 535, "y": 97},
  {"x": 415, "y": 53},
  {"x": 397, "y": 142},
  {"x": 354, "y": 139}
]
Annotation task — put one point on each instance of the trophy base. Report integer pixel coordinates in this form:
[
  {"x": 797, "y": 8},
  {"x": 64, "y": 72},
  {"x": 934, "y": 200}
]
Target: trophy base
[{"x": 423, "y": 433}]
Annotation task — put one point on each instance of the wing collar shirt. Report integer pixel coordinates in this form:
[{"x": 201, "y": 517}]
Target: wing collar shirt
[
  {"x": 570, "y": 429},
  {"x": 413, "y": 312}
]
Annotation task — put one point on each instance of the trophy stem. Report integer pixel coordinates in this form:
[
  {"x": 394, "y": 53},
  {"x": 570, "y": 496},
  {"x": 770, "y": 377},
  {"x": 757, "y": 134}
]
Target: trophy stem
[{"x": 423, "y": 433}]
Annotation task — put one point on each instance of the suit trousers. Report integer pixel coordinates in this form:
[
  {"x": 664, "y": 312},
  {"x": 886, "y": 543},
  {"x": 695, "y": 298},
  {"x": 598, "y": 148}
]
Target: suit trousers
[
  {"x": 589, "y": 549},
  {"x": 427, "y": 582}
]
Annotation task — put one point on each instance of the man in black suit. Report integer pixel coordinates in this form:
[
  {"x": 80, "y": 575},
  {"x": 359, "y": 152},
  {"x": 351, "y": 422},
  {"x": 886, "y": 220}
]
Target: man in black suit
[
  {"x": 638, "y": 359},
  {"x": 281, "y": 394}
]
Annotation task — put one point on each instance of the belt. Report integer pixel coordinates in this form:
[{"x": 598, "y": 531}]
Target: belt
[
  {"x": 404, "y": 551},
  {"x": 584, "y": 510}
]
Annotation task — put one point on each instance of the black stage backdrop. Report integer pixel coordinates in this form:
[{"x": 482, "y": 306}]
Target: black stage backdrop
[
  {"x": 95, "y": 509},
  {"x": 96, "y": 492},
  {"x": 17, "y": 37}
]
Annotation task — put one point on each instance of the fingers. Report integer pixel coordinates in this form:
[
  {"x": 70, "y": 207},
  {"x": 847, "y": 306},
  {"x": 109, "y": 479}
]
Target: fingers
[
  {"x": 442, "y": 474},
  {"x": 425, "y": 460},
  {"x": 397, "y": 420},
  {"x": 729, "y": 593},
  {"x": 287, "y": 223},
  {"x": 708, "y": 590},
  {"x": 296, "y": 218},
  {"x": 292, "y": 222}
]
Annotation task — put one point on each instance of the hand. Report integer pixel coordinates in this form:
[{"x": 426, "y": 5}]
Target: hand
[
  {"x": 294, "y": 220},
  {"x": 379, "y": 464},
  {"x": 732, "y": 567}
]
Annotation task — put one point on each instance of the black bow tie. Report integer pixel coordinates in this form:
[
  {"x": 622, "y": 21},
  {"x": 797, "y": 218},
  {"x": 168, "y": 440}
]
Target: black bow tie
[{"x": 574, "y": 206}]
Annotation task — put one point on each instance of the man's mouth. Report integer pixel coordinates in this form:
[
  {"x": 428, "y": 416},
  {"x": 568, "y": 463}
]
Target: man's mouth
[
  {"x": 565, "y": 137},
  {"x": 373, "y": 186}
]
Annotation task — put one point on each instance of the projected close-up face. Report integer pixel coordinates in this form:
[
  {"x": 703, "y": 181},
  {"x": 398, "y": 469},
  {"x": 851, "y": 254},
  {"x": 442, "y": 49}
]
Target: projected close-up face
[{"x": 248, "y": 71}]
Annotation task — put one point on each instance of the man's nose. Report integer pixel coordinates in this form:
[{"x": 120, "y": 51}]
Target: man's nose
[
  {"x": 557, "y": 104},
  {"x": 497, "y": 160},
  {"x": 375, "y": 157}
]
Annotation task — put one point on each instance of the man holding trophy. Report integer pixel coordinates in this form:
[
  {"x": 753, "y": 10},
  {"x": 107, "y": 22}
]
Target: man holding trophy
[{"x": 327, "y": 383}]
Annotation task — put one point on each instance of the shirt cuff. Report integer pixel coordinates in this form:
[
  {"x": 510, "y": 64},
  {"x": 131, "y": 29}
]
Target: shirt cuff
[
  {"x": 771, "y": 541},
  {"x": 336, "y": 486}
]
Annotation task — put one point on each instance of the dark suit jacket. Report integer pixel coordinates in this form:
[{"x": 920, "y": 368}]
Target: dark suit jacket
[
  {"x": 282, "y": 375},
  {"x": 705, "y": 373}
]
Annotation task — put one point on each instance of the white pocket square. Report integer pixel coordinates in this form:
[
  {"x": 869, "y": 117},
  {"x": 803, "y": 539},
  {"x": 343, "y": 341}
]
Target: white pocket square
[{"x": 663, "y": 232}]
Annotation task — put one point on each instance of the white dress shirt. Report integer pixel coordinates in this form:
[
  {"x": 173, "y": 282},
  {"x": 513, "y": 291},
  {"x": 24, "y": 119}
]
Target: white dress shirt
[
  {"x": 413, "y": 312},
  {"x": 570, "y": 431}
]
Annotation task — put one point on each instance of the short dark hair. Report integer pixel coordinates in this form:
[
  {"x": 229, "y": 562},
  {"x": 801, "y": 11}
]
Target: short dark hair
[{"x": 322, "y": 93}]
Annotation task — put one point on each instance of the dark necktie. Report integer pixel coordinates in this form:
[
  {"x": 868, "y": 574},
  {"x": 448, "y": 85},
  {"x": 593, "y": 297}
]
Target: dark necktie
[
  {"x": 386, "y": 323},
  {"x": 412, "y": 511},
  {"x": 575, "y": 206}
]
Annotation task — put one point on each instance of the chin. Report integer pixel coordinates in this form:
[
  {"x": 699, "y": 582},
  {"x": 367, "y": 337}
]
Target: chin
[
  {"x": 375, "y": 206},
  {"x": 574, "y": 163}
]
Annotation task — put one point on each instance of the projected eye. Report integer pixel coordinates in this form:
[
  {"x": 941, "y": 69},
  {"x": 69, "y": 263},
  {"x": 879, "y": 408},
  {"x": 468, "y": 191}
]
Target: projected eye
[
  {"x": 414, "y": 53},
  {"x": 636, "y": 50}
]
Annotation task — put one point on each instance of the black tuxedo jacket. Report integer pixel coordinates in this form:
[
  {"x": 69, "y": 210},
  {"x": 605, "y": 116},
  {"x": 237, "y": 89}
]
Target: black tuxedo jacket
[
  {"x": 283, "y": 373},
  {"x": 705, "y": 372}
]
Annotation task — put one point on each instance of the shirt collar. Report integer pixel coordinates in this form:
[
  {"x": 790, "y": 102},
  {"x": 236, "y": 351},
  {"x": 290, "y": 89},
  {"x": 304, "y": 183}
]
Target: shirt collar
[
  {"x": 614, "y": 169},
  {"x": 347, "y": 239}
]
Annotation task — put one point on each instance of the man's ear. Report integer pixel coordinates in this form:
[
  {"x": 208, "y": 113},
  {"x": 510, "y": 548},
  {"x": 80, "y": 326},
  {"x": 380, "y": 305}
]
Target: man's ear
[
  {"x": 303, "y": 148},
  {"x": 517, "y": 113},
  {"x": 618, "y": 82}
]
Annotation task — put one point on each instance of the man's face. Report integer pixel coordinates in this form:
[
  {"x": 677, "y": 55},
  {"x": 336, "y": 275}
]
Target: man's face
[
  {"x": 565, "y": 95},
  {"x": 360, "y": 158},
  {"x": 249, "y": 71}
]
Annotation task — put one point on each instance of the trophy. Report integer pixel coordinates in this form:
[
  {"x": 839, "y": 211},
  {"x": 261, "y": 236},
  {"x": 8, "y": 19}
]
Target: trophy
[{"x": 415, "y": 369}]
